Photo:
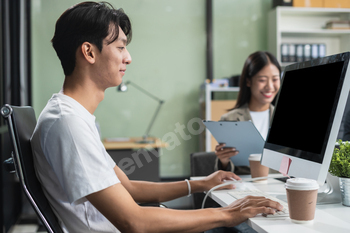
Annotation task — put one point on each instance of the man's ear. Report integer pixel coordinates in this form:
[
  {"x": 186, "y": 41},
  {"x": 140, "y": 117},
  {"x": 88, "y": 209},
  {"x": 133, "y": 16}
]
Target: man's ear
[{"x": 88, "y": 51}]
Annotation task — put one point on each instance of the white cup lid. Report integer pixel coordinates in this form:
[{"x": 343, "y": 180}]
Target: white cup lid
[
  {"x": 255, "y": 157},
  {"x": 301, "y": 184}
]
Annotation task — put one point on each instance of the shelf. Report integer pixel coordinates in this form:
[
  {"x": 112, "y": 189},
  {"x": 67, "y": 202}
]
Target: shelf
[
  {"x": 312, "y": 10},
  {"x": 284, "y": 64},
  {"x": 306, "y": 25},
  {"x": 224, "y": 89},
  {"x": 212, "y": 109},
  {"x": 208, "y": 87},
  {"x": 315, "y": 32}
]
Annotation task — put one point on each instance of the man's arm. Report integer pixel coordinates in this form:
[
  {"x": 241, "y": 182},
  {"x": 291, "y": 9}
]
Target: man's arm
[
  {"x": 143, "y": 191},
  {"x": 117, "y": 205}
]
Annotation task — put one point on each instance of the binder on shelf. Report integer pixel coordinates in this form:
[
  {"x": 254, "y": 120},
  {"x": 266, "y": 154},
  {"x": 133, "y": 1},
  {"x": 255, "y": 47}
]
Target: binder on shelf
[
  {"x": 322, "y": 50},
  {"x": 300, "y": 53},
  {"x": 291, "y": 54},
  {"x": 307, "y": 52},
  {"x": 314, "y": 51},
  {"x": 284, "y": 53}
]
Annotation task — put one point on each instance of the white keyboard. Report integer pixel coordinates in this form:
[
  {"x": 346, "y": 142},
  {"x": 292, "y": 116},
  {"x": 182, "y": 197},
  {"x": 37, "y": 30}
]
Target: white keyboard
[{"x": 238, "y": 194}]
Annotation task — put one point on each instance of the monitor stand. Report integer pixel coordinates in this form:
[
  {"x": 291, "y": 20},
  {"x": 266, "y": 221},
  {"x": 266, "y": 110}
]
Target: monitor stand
[{"x": 329, "y": 193}]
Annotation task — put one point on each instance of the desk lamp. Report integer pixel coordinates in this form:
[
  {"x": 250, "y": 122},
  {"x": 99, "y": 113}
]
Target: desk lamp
[{"x": 123, "y": 87}]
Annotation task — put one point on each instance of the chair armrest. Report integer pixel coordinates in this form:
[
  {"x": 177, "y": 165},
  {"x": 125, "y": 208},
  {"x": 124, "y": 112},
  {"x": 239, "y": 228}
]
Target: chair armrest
[{"x": 9, "y": 165}]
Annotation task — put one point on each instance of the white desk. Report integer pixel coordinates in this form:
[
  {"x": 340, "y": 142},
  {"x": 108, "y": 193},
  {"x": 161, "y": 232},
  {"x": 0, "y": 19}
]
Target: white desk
[{"x": 328, "y": 218}]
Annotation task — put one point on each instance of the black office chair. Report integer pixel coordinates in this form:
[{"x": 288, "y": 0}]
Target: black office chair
[
  {"x": 21, "y": 122},
  {"x": 202, "y": 164}
]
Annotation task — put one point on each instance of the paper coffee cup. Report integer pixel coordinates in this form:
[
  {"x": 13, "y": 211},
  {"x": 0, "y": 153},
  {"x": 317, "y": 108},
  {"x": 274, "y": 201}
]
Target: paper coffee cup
[
  {"x": 256, "y": 169},
  {"x": 302, "y": 198}
]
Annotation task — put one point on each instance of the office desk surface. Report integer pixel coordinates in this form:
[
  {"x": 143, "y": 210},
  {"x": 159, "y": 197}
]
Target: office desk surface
[
  {"x": 328, "y": 218},
  {"x": 131, "y": 143}
]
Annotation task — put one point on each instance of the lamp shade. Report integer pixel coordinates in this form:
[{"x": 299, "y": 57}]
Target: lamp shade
[{"x": 123, "y": 86}]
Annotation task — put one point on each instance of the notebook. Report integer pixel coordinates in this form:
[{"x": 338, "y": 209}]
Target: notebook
[{"x": 239, "y": 134}]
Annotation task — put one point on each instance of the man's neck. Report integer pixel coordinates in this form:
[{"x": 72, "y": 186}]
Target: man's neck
[{"x": 84, "y": 93}]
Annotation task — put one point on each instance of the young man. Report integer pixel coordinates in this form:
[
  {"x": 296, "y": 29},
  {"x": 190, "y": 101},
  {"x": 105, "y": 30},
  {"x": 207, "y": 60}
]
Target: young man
[{"x": 86, "y": 189}]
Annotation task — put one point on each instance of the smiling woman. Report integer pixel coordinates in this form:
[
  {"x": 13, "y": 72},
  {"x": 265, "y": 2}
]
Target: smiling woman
[
  {"x": 264, "y": 87},
  {"x": 259, "y": 84}
]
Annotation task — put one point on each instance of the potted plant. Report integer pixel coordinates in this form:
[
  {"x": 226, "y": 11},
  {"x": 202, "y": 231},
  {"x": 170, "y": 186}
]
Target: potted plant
[{"x": 340, "y": 167}]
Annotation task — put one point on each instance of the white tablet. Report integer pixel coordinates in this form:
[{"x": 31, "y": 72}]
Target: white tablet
[{"x": 239, "y": 134}]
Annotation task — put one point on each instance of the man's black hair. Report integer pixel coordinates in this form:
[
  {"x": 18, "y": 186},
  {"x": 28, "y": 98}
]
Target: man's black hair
[{"x": 87, "y": 22}]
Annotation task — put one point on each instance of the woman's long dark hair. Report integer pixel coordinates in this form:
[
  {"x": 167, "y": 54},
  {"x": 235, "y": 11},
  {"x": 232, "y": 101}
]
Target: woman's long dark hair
[{"x": 254, "y": 63}]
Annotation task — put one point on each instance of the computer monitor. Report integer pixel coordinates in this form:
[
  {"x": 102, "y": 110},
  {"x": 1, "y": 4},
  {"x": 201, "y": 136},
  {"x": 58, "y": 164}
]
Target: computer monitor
[{"x": 307, "y": 116}]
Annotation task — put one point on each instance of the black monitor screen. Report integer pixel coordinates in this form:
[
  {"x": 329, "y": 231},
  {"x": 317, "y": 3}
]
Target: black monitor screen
[{"x": 305, "y": 110}]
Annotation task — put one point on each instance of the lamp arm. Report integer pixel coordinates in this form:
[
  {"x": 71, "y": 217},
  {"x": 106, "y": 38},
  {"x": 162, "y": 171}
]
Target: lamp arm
[
  {"x": 143, "y": 90},
  {"x": 160, "y": 102},
  {"x": 153, "y": 119}
]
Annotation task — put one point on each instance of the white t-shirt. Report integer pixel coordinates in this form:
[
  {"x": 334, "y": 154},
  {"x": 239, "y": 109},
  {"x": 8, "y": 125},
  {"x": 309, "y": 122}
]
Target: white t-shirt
[
  {"x": 261, "y": 121},
  {"x": 71, "y": 163}
]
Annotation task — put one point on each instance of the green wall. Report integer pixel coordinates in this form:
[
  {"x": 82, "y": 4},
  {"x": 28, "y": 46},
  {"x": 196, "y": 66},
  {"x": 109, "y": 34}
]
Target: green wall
[
  {"x": 240, "y": 28},
  {"x": 168, "y": 51}
]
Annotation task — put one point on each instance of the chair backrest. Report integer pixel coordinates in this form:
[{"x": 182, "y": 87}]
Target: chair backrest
[
  {"x": 21, "y": 122},
  {"x": 202, "y": 163}
]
